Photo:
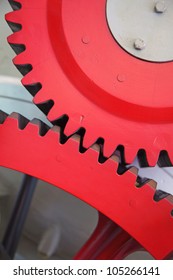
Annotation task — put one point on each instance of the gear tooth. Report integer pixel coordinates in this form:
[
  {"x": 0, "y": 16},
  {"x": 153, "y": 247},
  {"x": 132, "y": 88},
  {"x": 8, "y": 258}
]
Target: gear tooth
[
  {"x": 72, "y": 143},
  {"x": 76, "y": 137},
  {"x": 36, "y": 121},
  {"x": 12, "y": 16},
  {"x": 21, "y": 58},
  {"x": 8, "y": 16},
  {"x": 71, "y": 127},
  {"x": 93, "y": 153},
  {"x": 111, "y": 163},
  {"x": 56, "y": 129},
  {"x": 14, "y": 115},
  {"x": 39, "y": 97},
  {"x": 21, "y": 120},
  {"x": 54, "y": 133},
  {"x": 109, "y": 148},
  {"x": 12, "y": 118},
  {"x": 32, "y": 127},
  {"x": 52, "y": 115},
  {"x": 89, "y": 138},
  {"x": 55, "y": 114},
  {"x": 96, "y": 147},
  {"x": 130, "y": 155},
  {"x": 115, "y": 158},
  {"x": 16, "y": 38},
  {"x": 152, "y": 157},
  {"x": 28, "y": 79},
  {"x": 43, "y": 128},
  {"x": 12, "y": 39}
]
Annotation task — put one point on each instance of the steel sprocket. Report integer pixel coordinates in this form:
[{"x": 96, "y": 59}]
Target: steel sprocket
[{"x": 74, "y": 67}]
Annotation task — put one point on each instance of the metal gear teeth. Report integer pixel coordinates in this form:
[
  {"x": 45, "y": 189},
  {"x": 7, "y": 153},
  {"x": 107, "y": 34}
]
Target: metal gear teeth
[
  {"x": 118, "y": 156},
  {"x": 42, "y": 129},
  {"x": 47, "y": 106},
  {"x": 37, "y": 129},
  {"x": 20, "y": 49},
  {"x": 88, "y": 138},
  {"x": 163, "y": 161},
  {"x": 107, "y": 149},
  {"x": 31, "y": 83},
  {"x": 24, "y": 122}
]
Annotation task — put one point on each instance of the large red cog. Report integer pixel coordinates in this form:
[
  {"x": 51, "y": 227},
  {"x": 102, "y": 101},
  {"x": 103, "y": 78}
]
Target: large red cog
[
  {"x": 31, "y": 149},
  {"x": 71, "y": 57}
]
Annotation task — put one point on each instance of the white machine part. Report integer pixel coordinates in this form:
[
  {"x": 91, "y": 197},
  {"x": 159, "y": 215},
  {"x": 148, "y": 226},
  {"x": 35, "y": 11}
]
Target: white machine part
[{"x": 142, "y": 27}]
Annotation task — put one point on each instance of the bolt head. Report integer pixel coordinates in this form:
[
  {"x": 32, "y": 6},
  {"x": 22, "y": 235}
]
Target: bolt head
[
  {"x": 139, "y": 44},
  {"x": 160, "y": 7}
]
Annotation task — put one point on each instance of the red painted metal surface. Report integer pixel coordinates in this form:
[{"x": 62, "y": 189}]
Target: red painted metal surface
[
  {"x": 91, "y": 79},
  {"x": 131, "y": 208},
  {"x": 67, "y": 52}
]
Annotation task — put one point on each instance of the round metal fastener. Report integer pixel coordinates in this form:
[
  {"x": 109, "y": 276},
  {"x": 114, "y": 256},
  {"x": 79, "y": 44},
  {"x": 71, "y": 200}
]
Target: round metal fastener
[
  {"x": 139, "y": 44},
  {"x": 160, "y": 7}
]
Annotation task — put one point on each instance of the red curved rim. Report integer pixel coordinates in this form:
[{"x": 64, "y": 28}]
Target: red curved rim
[{"x": 103, "y": 72}]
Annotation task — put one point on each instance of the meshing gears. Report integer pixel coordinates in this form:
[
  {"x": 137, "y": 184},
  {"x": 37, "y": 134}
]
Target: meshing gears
[
  {"x": 38, "y": 151},
  {"x": 107, "y": 97},
  {"x": 105, "y": 93}
]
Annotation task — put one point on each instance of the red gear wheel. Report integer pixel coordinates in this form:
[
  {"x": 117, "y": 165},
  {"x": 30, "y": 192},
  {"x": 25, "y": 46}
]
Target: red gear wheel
[
  {"x": 36, "y": 151},
  {"x": 74, "y": 65}
]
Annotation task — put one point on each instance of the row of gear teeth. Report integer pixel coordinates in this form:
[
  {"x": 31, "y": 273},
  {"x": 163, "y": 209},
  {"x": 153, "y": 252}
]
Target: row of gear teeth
[
  {"x": 118, "y": 156},
  {"x": 162, "y": 158}
]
